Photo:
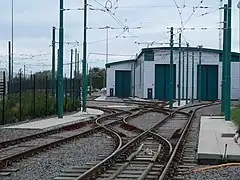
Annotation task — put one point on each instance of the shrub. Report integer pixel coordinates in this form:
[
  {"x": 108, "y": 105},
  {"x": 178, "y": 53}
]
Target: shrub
[
  {"x": 12, "y": 106},
  {"x": 236, "y": 116}
]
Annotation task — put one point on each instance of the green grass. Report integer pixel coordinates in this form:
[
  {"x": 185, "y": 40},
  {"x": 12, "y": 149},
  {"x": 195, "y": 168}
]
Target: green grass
[
  {"x": 236, "y": 116},
  {"x": 12, "y": 107}
]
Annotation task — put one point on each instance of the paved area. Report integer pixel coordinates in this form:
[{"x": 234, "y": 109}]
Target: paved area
[
  {"x": 216, "y": 140},
  {"x": 101, "y": 98},
  {"x": 137, "y": 99},
  {"x": 175, "y": 104},
  {"x": 51, "y": 122},
  {"x": 120, "y": 106}
]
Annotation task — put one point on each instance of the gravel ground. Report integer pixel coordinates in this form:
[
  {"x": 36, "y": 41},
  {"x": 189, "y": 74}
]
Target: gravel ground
[
  {"x": 114, "y": 105},
  {"x": 148, "y": 120},
  {"x": 213, "y": 110},
  {"x": 7, "y": 134},
  {"x": 47, "y": 165},
  {"x": 228, "y": 173}
]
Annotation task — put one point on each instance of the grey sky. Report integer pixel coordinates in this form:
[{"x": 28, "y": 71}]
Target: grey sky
[{"x": 33, "y": 21}]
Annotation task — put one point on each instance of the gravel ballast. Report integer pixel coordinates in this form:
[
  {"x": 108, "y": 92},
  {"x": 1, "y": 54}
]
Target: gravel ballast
[
  {"x": 8, "y": 134},
  {"x": 226, "y": 173},
  {"x": 147, "y": 120},
  {"x": 47, "y": 165}
]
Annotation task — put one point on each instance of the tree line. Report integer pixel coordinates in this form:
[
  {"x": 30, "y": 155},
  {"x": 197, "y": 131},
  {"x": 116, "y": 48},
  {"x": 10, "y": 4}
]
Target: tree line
[{"x": 43, "y": 79}]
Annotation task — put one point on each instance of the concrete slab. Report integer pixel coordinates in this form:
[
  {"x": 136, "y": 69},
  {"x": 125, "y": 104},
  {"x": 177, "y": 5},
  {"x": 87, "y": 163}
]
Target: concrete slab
[
  {"x": 175, "y": 104},
  {"x": 213, "y": 144},
  {"x": 137, "y": 99},
  {"x": 101, "y": 98},
  {"x": 120, "y": 106},
  {"x": 51, "y": 122}
]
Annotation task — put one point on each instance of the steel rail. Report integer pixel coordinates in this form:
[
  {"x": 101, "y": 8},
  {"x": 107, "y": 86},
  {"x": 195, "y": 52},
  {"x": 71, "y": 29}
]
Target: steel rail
[
  {"x": 4, "y": 144},
  {"x": 167, "y": 166},
  {"x": 12, "y": 157},
  {"x": 90, "y": 172}
]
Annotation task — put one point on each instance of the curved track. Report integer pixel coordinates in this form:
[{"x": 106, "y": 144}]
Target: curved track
[
  {"x": 174, "y": 158},
  {"x": 15, "y": 149},
  {"x": 150, "y": 154}
]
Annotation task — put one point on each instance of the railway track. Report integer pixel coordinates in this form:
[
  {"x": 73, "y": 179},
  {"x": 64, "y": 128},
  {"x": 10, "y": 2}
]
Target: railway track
[
  {"x": 130, "y": 134},
  {"x": 22, "y": 147},
  {"x": 182, "y": 144},
  {"x": 147, "y": 138},
  {"x": 135, "y": 154},
  {"x": 124, "y": 102},
  {"x": 147, "y": 156},
  {"x": 187, "y": 152},
  {"x": 16, "y": 149}
]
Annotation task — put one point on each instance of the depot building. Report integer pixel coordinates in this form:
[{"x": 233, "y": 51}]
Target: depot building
[{"x": 148, "y": 75}]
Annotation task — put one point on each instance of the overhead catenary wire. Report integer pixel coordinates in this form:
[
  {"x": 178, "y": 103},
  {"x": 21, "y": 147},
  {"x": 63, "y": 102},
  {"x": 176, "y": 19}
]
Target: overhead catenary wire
[
  {"x": 180, "y": 7},
  {"x": 189, "y": 18},
  {"x": 117, "y": 20},
  {"x": 160, "y": 6}
]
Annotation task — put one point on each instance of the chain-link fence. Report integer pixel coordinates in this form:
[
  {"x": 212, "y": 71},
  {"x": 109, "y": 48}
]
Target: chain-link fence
[{"x": 33, "y": 96}]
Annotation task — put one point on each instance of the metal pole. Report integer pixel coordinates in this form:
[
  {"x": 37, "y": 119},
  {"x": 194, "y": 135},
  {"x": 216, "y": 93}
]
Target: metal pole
[
  {"x": 34, "y": 95},
  {"x": 78, "y": 64},
  {"x": 57, "y": 84},
  {"x": 60, "y": 64},
  {"x": 78, "y": 74},
  {"x": 187, "y": 76},
  {"x": 12, "y": 36},
  {"x": 183, "y": 64},
  {"x": 228, "y": 64},
  {"x": 90, "y": 81},
  {"x": 87, "y": 79},
  {"x": 105, "y": 74},
  {"x": 179, "y": 71},
  {"x": 84, "y": 93},
  {"x": 192, "y": 77},
  {"x": 46, "y": 95},
  {"x": 76, "y": 60},
  {"x": 71, "y": 67},
  {"x": 3, "y": 97},
  {"x": 224, "y": 56},
  {"x": 53, "y": 61},
  {"x": 9, "y": 66},
  {"x": 20, "y": 96},
  {"x": 24, "y": 71},
  {"x": 66, "y": 92},
  {"x": 24, "y": 78},
  {"x": 171, "y": 69},
  {"x": 200, "y": 75}
]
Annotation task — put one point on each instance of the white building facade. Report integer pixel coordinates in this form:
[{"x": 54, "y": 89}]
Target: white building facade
[{"x": 149, "y": 74}]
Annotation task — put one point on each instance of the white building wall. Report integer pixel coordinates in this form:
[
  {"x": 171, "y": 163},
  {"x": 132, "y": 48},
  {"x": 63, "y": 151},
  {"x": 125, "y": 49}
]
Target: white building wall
[
  {"x": 111, "y": 75},
  {"x": 139, "y": 77},
  {"x": 163, "y": 57},
  {"x": 132, "y": 78},
  {"x": 235, "y": 80},
  {"x": 149, "y": 78},
  {"x": 145, "y": 73}
]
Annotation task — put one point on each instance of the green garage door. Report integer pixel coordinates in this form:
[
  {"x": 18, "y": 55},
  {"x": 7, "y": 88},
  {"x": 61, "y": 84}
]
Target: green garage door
[
  {"x": 209, "y": 82},
  {"x": 122, "y": 84},
  {"x": 162, "y": 81}
]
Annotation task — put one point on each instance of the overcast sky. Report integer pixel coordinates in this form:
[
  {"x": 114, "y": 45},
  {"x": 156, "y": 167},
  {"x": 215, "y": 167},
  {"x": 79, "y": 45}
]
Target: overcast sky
[{"x": 33, "y": 21}]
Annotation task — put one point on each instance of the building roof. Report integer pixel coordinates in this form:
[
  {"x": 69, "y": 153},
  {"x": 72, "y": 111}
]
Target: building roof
[
  {"x": 209, "y": 50},
  {"x": 190, "y": 49},
  {"x": 120, "y": 62}
]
